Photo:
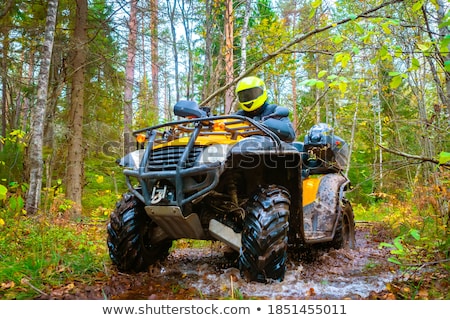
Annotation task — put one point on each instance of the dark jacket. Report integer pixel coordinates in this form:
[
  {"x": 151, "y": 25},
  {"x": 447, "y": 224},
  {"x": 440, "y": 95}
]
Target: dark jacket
[{"x": 282, "y": 126}]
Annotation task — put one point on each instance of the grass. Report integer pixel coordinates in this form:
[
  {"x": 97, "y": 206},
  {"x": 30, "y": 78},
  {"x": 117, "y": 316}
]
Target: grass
[
  {"x": 48, "y": 250},
  {"x": 368, "y": 213},
  {"x": 40, "y": 253},
  {"x": 420, "y": 244}
]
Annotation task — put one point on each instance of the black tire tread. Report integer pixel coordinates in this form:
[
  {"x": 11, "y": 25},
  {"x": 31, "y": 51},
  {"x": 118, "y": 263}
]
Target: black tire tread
[
  {"x": 265, "y": 235},
  {"x": 129, "y": 231},
  {"x": 344, "y": 236}
]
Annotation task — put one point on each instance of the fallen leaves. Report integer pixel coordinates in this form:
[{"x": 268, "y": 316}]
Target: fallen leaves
[{"x": 7, "y": 285}]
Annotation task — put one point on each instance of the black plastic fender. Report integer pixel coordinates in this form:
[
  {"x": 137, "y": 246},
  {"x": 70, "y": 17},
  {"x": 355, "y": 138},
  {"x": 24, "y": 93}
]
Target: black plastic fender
[
  {"x": 261, "y": 150},
  {"x": 321, "y": 214}
]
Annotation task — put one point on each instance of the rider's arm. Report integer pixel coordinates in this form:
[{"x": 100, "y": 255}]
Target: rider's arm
[{"x": 282, "y": 127}]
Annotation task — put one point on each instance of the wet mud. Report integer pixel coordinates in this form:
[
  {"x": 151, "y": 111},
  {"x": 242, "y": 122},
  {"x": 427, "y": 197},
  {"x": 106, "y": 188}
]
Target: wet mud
[{"x": 211, "y": 272}]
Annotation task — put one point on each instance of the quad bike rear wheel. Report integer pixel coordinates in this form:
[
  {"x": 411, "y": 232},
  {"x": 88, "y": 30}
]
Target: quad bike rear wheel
[
  {"x": 129, "y": 234},
  {"x": 344, "y": 236},
  {"x": 265, "y": 235}
]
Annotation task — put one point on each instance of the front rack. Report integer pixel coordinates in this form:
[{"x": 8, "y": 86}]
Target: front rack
[{"x": 231, "y": 126}]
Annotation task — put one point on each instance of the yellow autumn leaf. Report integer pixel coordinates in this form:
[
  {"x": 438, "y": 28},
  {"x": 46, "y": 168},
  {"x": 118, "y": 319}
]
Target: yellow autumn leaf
[
  {"x": 386, "y": 29},
  {"x": 316, "y": 3},
  {"x": 3, "y": 192},
  {"x": 423, "y": 294},
  {"x": 423, "y": 46},
  {"x": 343, "y": 87},
  {"x": 99, "y": 179},
  {"x": 70, "y": 286},
  {"x": 345, "y": 59},
  {"x": 2, "y": 222}
]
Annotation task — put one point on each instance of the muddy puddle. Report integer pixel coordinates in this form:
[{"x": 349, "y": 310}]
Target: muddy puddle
[{"x": 209, "y": 273}]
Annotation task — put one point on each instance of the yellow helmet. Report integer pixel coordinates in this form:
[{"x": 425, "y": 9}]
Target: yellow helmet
[{"x": 251, "y": 93}]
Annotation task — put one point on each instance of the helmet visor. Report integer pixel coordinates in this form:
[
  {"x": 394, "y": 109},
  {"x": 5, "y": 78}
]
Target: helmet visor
[{"x": 249, "y": 94}]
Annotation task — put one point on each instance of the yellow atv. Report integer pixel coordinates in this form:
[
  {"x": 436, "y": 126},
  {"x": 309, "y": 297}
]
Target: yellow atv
[{"x": 232, "y": 179}]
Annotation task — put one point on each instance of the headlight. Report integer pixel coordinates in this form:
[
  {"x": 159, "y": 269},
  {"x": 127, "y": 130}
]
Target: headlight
[
  {"x": 132, "y": 160},
  {"x": 214, "y": 153}
]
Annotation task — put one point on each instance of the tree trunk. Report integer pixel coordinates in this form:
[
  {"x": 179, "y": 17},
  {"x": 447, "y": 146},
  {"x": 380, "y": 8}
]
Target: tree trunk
[
  {"x": 26, "y": 101},
  {"x": 4, "y": 78},
  {"x": 6, "y": 7},
  {"x": 37, "y": 128},
  {"x": 244, "y": 34},
  {"x": 443, "y": 96},
  {"x": 171, "y": 14},
  {"x": 229, "y": 96},
  {"x": 208, "y": 65},
  {"x": 295, "y": 121},
  {"x": 154, "y": 55},
  {"x": 129, "y": 81},
  {"x": 316, "y": 91},
  {"x": 444, "y": 32},
  {"x": 294, "y": 101},
  {"x": 185, "y": 13},
  {"x": 352, "y": 140},
  {"x": 75, "y": 155}
]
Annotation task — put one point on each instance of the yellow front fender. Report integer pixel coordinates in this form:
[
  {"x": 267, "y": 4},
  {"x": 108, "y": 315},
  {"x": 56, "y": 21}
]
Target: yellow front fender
[{"x": 310, "y": 188}]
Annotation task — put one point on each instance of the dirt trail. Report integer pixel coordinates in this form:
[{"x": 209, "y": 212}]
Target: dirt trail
[{"x": 209, "y": 273}]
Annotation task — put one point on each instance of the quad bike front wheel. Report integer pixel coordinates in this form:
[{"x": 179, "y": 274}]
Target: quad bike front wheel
[
  {"x": 129, "y": 233},
  {"x": 265, "y": 235},
  {"x": 344, "y": 236}
]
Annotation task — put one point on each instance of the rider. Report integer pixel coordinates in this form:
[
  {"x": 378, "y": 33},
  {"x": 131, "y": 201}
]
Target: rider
[{"x": 252, "y": 96}]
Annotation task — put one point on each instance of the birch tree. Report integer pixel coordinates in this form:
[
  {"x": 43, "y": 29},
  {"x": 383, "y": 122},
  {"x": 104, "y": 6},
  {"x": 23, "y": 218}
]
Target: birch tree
[
  {"x": 244, "y": 34},
  {"x": 38, "y": 114},
  {"x": 444, "y": 54},
  {"x": 171, "y": 14}
]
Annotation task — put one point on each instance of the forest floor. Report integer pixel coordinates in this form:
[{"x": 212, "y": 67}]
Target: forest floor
[{"x": 208, "y": 273}]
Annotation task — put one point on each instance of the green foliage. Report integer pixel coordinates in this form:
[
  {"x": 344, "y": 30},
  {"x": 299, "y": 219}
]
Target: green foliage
[
  {"x": 373, "y": 213},
  {"x": 12, "y": 156},
  {"x": 421, "y": 232},
  {"x": 237, "y": 294},
  {"x": 400, "y": 250},
  {"x": 3, "y": 191},
  {"x": 105, "y": 184},
  {"x": 192, "y": 243},
  {"x": 38, "y": 253},
  {"x": 444, "y": 157},
  {"x": 415, "y": 223},
  {"x": 147, "y": 115},
  {"x": 420, "y": 244}
]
